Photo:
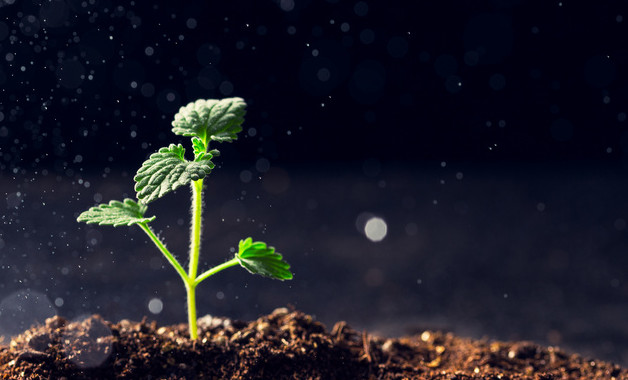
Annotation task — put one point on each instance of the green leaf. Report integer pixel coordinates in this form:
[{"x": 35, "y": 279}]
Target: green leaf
[
  {"x": 200, "y": 150},
  {"x": 116, "y": 213},
  {"x": 199, "y": 146},
  {"x": 211, "y": 119},
  {"x": 166, "y": 171},
  {"x": 257, "y": 258}
]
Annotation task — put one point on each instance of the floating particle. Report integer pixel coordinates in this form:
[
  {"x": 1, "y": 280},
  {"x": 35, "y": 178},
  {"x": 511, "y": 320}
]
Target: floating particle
[
  {"x": 361, "y": 8},
  {"x": 262, "y": 165},
  {"x": 54, "y": 13},
  {"x": 375, "y": 229},
  {"x": 323, "y": 74},
  {"x": 226, "y": 88},
  {"x": 453, "y": 84},
  {"x": 208, "y": 54},
  {"x": 286, "y": 5},
  {"x": 246, "y": 176},
  {"x": 29, "y": 25},
  {"x": 70, "y": 73},
  {"x": 155, "y": 305},
  {"x": 148, "y": 90}
]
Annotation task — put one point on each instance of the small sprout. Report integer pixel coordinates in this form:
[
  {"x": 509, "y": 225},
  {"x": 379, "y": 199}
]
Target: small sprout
[{"x": 168, "y": 169}]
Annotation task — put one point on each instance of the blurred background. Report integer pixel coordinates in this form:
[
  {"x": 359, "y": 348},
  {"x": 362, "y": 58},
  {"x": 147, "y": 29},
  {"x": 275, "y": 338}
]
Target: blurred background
[{"x": 444, "y": 165}]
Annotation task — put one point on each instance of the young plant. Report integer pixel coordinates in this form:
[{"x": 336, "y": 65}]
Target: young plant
[{"x": 205, "y": 121}]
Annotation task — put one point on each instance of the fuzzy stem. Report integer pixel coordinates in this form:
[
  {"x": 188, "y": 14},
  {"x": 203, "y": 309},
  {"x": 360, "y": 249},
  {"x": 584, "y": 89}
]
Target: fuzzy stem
[
  {"x": 171, "y": 259},
  {"x": 215, "y": 270},
  {"x": 195, "y": 228},
  {"x": 195, "y": 247},
  {"x": 190, "y": 288}
]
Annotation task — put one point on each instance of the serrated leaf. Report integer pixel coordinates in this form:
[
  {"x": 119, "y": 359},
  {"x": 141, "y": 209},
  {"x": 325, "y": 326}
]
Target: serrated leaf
[
  {"x": 211, "y": 119},
  {"x": 200, "y": 148},
  {"x": 116, "y": 213},
  {"x": 258, "y": 258},
  {"x": 166, "y": 171}
]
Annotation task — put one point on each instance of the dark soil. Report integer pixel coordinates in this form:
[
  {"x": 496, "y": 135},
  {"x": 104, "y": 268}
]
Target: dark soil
[{"x": 283, "y": 345}]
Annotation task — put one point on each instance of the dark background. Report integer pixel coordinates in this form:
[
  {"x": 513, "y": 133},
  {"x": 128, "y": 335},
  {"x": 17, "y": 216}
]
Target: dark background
[
  {"x": 479, "y": 81},
  {"x": 489, "y": 136}
]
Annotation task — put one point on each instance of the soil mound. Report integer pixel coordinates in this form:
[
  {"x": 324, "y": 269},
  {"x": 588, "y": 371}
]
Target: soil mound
[{"x": 286, "y": 344}]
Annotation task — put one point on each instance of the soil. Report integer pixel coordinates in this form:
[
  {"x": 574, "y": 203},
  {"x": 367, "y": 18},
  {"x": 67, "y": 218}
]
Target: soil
[{"x": 287, "y": 344}]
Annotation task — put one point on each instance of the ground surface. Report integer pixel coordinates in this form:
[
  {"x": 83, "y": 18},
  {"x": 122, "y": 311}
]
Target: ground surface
[{"x": 286, "y": 344}]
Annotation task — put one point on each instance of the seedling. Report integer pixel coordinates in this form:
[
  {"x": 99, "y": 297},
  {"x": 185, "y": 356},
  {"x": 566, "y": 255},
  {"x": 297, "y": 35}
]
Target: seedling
[{"x": 205, "y": 121}]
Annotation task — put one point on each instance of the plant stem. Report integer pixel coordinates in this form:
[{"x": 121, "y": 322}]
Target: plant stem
[
  {"x": 215, "y": 270},
  {"x": 195, "y": 247},
  {"x": 195, "y": 228},
  {"x": 171, "y": 259},
  {"x": 190, "y": 288},
  {"x": 190, "y": 279}
]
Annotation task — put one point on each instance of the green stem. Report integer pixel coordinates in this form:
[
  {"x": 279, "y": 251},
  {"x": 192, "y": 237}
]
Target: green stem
[
  {"x": 190, "y": 288},
  {"x": 215, "y": 270},
  {"x": 195, "y": 247},
  {"x": 171, "y": 259},
  {"x": 195, "y": 228},
  {"x": 190, "y": 279}
]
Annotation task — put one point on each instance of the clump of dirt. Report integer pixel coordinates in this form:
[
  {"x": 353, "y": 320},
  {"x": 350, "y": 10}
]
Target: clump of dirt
[{"x": 286, "y": 344}]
